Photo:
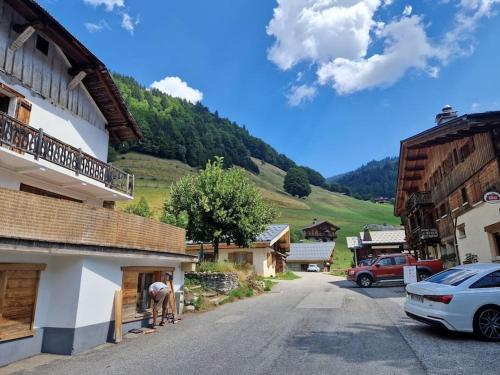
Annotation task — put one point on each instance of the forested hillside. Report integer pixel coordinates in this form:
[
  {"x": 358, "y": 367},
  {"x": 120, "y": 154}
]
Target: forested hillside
[
  {"x": 176, "y": 129},
  {"x": 372, "y": 180}
]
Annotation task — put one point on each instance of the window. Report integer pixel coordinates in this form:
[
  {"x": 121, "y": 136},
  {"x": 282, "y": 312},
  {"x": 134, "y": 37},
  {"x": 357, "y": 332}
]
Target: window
[
  {"x": 461, "y": 231},
  {"x": 241, "y": 257},
  {"x": 490, "y": 281},
  {"x": 400, "y": 260},
  {"x": 42, "y": 45},
  {"x": 4, "y": 103},
  {"x": 465, "y": 197},
  {"x": 18, "y": 291},
  {"x": 144, "y": 280},
  {"x": 452, "y": 276},
  {"x": 385, "y": 262}
]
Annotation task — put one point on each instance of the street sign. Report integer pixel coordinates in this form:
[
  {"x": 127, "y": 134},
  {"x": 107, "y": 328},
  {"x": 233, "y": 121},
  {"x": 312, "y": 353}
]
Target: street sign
[
  {"x": 492, "y": 197},
  {"x": 410, "y": 274}
]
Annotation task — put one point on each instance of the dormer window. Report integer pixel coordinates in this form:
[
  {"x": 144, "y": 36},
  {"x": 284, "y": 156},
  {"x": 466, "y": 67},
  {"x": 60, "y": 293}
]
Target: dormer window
[{"x": 42, "y": 45}]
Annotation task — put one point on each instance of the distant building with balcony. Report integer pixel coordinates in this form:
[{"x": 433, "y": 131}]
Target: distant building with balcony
[
  {"x": 376, "y": 240},
  {"x": 64, "y": 250},
  {"x": 445, "y": 175},
  {"x": 321, "y": 230}
]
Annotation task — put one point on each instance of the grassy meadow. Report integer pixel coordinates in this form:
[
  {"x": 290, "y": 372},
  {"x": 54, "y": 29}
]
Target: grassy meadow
[{"x": 154, "y": 177}]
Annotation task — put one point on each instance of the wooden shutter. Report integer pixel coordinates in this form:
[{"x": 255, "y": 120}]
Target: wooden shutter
[
  {"x": 129, "y": 289},
  {"x": 230, "y": 257},
  {"x": 18, "y": 292},
  {"x": 23, "y": 111}
]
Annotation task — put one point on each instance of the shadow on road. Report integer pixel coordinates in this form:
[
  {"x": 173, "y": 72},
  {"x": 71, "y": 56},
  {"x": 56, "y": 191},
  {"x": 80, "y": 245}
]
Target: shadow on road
[
  {"x": 376, "y": 291},
  {"x": 360, "y": 343}
]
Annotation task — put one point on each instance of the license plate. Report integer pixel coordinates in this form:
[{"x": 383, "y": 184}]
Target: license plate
[{"x": 417, "y": 298}]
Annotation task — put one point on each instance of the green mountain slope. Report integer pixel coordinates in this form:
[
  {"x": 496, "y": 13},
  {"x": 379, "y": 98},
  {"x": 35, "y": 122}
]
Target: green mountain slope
[
  {"x": 372, "y": 180},
  {"x": 154, "y": 177}
]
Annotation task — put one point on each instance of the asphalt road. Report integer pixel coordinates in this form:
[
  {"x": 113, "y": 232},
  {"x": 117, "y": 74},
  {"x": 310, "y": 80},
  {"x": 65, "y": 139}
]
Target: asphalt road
[{"x": 315, "y": 325}]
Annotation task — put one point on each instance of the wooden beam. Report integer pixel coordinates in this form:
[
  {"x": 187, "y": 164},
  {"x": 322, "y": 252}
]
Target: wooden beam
[
  {"x": 22, "y": 38},
  {"x": 74, "y": 70},
  {"x": 412, "y": 178},
  {"x": 118, "y": 315},
  {"x": 417, "y": 158},
  {"x": 148, "y": 269},
  {"x": 415, "y": 168},
  {"x": 76, "y": 80}
]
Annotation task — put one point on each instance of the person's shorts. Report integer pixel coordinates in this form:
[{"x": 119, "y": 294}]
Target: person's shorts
[{"x": 161, "y": 299}]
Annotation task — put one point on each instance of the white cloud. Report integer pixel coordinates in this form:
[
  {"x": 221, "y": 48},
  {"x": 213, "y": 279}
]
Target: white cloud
[
  {"x": 348, "y": 76},
  {"x": 176, "y": 87},
  {"x": 301, "y": 94},
  {"x": 96, "y": 27},
  {"x": 475, "y": 107},
  {"x": 407, "y": 10},
  {"x": 108, "y": 4},
  {"x": 129, "y": 23},
  {"x": 336, "y": 37}
]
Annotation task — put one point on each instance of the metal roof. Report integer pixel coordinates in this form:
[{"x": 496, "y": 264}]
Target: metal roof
[
  {"x": 272, "y": 231},
  {"x": 311, "y": 251},
  {"x": 386, "y": 237},
  {"x": 319, "y": 223}
]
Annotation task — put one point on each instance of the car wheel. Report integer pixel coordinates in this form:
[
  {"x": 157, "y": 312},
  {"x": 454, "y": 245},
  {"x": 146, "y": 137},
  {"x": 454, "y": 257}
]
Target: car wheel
[
  {"x": 365, "y": 281},
  {"x": 422, "y": 275},
  {"x": 487, "y": 323}
]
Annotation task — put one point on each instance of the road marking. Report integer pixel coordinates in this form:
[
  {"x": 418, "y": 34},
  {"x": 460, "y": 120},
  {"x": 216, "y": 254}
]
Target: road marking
[{"x": 322, "y": 300}]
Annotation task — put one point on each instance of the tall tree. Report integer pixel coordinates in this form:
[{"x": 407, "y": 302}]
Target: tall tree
[
  {"x": 296, "y": 182},
  {"x": 221, "y": 205}
]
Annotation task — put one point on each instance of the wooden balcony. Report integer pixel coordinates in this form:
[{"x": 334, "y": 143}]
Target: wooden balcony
[
  {"x": 428, "y": 235},
  {"x": 26, "y": 216},
  {"x": 23, "y": 138},
  {"x": 420, "y": 198}
]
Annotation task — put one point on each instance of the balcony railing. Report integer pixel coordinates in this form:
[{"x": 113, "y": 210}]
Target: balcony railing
[
  {"x": 26, "y": 139},
  {"x": 419, "y": 198},
  {"x": 31, "y": 217},
  {"x": 420, "y": 234}
]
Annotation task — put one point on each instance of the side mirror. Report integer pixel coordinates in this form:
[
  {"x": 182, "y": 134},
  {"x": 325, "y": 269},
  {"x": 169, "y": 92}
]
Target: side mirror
[{"x": 377, "y": 265}]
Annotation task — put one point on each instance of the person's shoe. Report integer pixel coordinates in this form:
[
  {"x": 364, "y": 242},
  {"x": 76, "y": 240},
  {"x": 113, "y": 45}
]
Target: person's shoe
[{"x": 162, "y": 323}]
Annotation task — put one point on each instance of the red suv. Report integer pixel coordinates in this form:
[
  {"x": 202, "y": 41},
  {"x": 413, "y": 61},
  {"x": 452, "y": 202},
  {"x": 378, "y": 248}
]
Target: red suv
[{"x": 390, "y": 268}]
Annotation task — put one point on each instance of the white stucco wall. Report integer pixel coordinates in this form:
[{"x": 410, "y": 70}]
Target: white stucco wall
[
  {"x": 476, "y": 240},
  {"x": 259, "y": 259},
  {"x": 64, "y": 125},
  {"x": 101, "y": 277},
  {"x": 9, "y": 180}
]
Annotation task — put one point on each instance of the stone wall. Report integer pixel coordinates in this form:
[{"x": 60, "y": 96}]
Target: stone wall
[{"x": 222, "y": 282}]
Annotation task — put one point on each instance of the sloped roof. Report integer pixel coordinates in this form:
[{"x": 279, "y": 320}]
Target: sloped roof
[
  {"x": 272, "y": 232},
  {"x": 98, "y": 82},
  {"x": 386, "y": 237},
  {"x": 311, "y": 251},
  {"x": 353, "y": 242},
  {"x": 319, "y": 223}
]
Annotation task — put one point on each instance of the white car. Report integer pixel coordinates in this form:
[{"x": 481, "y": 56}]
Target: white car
[
  {"x": 313, "y": 268},
  {"x": 463, "y": 298}
]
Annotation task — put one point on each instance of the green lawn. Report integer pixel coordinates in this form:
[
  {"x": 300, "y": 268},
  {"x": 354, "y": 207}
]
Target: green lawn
[{"x": 154, "y": 177}]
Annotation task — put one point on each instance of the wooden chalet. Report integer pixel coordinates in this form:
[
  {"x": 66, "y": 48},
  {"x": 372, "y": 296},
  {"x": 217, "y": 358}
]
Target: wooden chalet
[
  {"x": 445, "y": 175},
  {"x": 321, "y": 231},
  {"x": 74, "y": 272},
  {"x": 266, "y": 254}
]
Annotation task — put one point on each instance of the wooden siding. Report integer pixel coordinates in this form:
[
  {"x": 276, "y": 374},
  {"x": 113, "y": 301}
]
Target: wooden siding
[
  {"x": 47, "y": 75},
  {"x": 32, "y": 217},
  {"x": 18, "y": 292}
]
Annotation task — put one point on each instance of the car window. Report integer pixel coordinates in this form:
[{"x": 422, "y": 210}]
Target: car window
[
  {"x": 490, "y": 281},
  {"x": 400, "y": 260},
  {"x": 384, "y": 262},
  {"x": 452, "y": 276}
]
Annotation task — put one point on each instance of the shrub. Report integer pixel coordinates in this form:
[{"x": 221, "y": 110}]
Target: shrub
[{"x": 287, "y": 275}]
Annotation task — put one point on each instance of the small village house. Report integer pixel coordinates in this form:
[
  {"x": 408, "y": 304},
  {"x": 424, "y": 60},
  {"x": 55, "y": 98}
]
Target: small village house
[
  {"x": 64, "y": 250},
  {"x": 448, "y": 184},
  {"x": 376, "y": 240},
  {"x": 321, "y": 231},
  {"x": 266, "y": 254},
  {"x": 303, "y": 254}
]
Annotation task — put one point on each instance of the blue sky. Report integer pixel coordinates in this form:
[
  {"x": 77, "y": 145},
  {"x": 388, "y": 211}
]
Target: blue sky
[{"x": 331, "y": 83}]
